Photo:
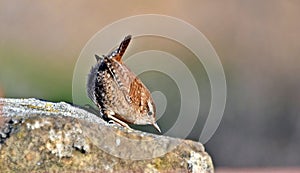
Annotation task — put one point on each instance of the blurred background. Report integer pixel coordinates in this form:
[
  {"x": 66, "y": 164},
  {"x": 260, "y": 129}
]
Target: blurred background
[{"x": 257, "y": 42}]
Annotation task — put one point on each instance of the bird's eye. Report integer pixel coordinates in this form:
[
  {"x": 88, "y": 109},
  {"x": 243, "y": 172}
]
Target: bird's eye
[{"x": 150, "y": 113}]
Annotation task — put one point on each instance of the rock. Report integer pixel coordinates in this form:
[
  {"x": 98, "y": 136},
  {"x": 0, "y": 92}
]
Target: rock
[{"x": 41, "y": 136}]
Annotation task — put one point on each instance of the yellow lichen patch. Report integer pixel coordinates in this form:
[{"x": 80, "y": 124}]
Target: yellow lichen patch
[
  {"x": 150, "y": 169},
  {"x": 46, "y": 107}
]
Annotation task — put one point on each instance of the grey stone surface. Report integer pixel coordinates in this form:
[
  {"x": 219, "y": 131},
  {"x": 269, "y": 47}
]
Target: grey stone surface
[{"x": 43, "y": 136}]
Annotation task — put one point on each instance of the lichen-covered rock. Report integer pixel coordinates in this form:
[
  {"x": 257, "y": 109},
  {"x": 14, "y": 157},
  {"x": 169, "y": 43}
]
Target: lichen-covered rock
[{"x": 39, "y": 136}]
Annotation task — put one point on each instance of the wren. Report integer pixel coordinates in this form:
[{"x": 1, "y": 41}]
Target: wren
[{"x": 118, "y": 93}]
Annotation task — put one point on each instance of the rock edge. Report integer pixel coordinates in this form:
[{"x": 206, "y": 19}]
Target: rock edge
[{"x": 39, "y": 136}]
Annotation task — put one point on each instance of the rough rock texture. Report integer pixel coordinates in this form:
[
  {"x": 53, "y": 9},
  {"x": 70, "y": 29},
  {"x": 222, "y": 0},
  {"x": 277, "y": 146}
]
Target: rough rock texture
[{"x": 40, "y": 136}]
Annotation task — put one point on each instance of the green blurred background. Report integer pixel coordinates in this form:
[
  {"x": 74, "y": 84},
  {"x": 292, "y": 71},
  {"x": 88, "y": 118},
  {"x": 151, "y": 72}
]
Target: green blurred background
[{"x": 257, "y": 41}]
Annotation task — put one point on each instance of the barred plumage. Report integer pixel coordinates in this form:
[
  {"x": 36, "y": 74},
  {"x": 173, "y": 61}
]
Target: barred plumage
[{"x": 118, "y": 93}]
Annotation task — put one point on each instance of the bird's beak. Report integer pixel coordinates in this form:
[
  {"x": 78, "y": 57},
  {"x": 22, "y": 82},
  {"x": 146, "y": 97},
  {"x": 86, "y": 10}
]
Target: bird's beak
[{"x": 156, "y": 127}]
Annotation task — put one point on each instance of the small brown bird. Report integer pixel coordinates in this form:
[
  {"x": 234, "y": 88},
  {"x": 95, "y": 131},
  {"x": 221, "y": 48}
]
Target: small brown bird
[{"x": 117, "y": 91}]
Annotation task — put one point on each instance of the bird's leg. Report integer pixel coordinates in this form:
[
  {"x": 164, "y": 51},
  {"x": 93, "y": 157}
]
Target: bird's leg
[{"x": 111, "y": 114}]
